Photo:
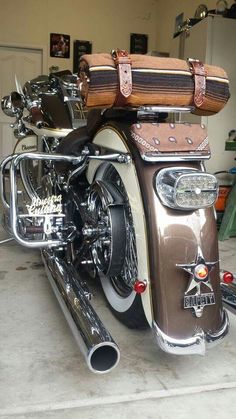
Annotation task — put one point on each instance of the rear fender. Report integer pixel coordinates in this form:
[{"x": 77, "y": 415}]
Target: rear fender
[{"x": 165, "y": 238}]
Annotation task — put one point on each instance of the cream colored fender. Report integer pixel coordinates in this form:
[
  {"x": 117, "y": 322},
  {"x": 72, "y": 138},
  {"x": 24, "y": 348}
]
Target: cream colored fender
[
  {"x": 127, "y": 172},
  {"x": 29, "y": 143}
]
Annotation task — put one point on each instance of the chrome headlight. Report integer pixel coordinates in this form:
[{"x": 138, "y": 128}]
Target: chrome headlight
[
  {"x": 6, "y": 105},
  {"x": 13, "y": 104},
  {"x": 186, "y": 189}
]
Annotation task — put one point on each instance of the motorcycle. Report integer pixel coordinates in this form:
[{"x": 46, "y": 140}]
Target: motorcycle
[{"x": 102, "y": 198}]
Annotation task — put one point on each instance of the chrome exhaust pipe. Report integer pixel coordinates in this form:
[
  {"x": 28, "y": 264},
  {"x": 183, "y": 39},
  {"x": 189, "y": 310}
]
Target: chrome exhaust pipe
[{"x": 95, "y": 342}]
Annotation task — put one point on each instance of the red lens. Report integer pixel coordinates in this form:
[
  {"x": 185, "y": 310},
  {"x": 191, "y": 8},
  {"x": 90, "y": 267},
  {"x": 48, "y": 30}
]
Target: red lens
[
  {"x": 140, "y": 286},
  {"x": 228, "y": 277}
]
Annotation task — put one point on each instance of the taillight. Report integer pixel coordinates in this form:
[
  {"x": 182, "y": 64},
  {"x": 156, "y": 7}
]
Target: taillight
[{"x": 185, "y": 189}]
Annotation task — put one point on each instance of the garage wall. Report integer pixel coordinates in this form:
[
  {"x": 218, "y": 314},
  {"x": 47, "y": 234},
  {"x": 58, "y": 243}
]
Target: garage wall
[
  {"x": 106, "y": 23},
  {"x": 167, "y": 10}
]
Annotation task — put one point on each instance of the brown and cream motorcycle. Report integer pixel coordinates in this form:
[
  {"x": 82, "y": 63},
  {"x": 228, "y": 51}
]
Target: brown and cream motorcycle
[{"x": 120, "y": 194}]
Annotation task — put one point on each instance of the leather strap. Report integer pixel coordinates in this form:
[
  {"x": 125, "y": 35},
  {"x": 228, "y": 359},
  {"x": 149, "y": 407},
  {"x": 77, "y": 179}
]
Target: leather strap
[
  {"x": 199, "y": 74},
  {"x": 123, "y": 65}
]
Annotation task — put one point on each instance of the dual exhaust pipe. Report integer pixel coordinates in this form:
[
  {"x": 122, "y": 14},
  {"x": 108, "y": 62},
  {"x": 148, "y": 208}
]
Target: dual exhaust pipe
[{"x": 95, "y": 342}]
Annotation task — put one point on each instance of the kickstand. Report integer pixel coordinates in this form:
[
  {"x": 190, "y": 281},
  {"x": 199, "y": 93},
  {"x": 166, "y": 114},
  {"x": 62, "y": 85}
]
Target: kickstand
[{"x": 6, "y": 240}]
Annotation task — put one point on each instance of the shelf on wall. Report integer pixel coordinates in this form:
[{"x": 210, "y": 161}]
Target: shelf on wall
[{"x": 230, "y": 145}]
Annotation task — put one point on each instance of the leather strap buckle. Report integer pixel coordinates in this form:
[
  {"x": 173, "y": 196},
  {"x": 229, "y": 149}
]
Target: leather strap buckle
[
  {"x": 123, "y": 64},
  {"x": 199, "y": 73}
]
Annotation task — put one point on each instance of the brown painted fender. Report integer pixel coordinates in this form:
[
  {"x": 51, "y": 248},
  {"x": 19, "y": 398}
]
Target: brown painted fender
[{"x": 174, "y": 237}]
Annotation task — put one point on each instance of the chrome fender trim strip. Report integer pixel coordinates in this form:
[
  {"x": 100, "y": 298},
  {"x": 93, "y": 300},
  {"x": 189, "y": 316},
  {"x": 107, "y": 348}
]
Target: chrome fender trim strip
[{"x": 196, "y": 344}]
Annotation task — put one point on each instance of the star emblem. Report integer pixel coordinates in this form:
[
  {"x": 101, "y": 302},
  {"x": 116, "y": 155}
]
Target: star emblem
[{"x": 199, "y": 271}]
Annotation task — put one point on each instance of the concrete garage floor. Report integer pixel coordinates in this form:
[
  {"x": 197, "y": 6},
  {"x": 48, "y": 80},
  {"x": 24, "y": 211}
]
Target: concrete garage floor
[{"x": 43, "y": 374}]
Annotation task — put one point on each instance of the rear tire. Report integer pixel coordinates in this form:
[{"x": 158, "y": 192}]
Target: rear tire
[{"x": 123, "y": 301}]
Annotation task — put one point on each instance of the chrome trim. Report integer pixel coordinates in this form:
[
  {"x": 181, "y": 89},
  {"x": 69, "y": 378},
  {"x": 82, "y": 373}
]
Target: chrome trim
[
  {"x": 166, "y": 186},
  {"x": 46, "y": 156},
  {"x": 7, "y": 106},
  {"x": 172, "y": 157},
  {"x": 119, "y": 157},
  {"x": 13, "y": 207},
  {"x": 169, "y": 109},
  {"x": 196, "y": 344},
  {"x": 95, "y": 342},
  {"x": 72, "y": 99},
  {"x": 147, "y": 110},
  {"x": 13, "y": 196},
  {"x": 2, "y": 178},
  {"x": 45, "y": 131}
]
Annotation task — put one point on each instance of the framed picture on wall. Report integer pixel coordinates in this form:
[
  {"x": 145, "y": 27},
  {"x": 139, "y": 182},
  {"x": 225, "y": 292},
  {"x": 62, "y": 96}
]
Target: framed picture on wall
[
  {"x": 178, "y": 24},
  {"x": 80, "y": 48},
  {"x": 138, "y": 43},
  {"x": 59, "y": 45}
]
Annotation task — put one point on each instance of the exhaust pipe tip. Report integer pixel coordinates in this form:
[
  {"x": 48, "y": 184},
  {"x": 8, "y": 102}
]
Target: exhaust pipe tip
[
  {"x": 103, "y": 357},
  {"x": 95, "y": 342}
]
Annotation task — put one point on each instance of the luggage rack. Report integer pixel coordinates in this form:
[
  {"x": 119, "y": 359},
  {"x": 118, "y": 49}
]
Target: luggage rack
[
  {"x": 147, "y": 109},
  {"x": 165, "y": 109}
]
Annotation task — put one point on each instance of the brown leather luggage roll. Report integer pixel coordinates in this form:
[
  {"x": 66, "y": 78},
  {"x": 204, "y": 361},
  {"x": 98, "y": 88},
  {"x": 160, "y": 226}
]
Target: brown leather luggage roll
[{"x": 105, "y": 81}]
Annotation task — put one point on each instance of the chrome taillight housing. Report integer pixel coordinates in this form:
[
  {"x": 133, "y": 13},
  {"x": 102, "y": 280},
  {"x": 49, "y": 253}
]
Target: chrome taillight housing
[{"x": 186, "y": 188}]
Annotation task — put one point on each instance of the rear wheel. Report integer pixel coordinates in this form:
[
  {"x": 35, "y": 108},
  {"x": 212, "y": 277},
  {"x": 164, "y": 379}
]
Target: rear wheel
[{"x": 118, "y": 283}]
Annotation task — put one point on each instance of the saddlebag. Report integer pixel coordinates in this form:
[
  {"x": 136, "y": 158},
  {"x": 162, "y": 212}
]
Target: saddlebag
[{"x": 146, "y": 80}]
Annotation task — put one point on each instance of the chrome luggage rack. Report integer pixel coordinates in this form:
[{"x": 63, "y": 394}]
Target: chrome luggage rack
[{"x": 164, "y": 109}]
